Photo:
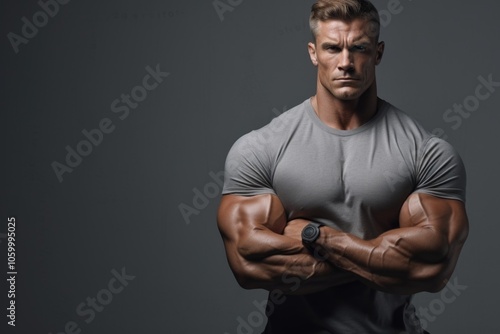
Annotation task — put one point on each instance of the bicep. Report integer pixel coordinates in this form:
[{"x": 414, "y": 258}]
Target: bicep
[
  {"x": 248, "y": 212},
  {"x": 442, "y": 223},
  {"x": 253, "y": 226}
]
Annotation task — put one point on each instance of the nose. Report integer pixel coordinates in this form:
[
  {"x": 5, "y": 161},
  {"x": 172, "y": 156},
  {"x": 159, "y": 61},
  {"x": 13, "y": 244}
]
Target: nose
[{"x": 346, "y": 63}]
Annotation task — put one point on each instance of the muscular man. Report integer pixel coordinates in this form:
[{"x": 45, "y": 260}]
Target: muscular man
[{"x": 343, "y": 207}]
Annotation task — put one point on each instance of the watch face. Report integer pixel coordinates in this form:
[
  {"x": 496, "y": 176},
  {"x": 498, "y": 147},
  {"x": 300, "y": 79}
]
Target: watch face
[{"x": 310, "y": 233}]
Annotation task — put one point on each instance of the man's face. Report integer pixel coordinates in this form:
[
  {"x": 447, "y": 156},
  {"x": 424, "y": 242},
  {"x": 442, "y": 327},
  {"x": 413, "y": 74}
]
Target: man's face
[{"x": 346, "y": 54}]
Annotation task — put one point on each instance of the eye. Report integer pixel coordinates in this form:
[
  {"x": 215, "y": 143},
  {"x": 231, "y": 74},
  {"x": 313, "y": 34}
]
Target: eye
[
  {"x": 360, "y": 48},
  {"x": 333, "y": 48}
]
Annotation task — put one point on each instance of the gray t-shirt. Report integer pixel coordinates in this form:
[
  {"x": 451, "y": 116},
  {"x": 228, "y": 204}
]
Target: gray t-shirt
[{"x": 352, "y": 180}]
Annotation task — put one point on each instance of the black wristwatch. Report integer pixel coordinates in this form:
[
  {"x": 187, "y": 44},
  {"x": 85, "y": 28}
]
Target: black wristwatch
[{"x": 310, "y": 234}]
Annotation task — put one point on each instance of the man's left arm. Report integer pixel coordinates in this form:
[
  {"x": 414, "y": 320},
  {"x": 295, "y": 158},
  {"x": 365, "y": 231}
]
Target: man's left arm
[{"x": 419, "y": 256}]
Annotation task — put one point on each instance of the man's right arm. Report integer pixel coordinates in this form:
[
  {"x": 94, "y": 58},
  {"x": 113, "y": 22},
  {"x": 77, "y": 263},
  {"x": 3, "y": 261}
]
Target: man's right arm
[{"x": 262, "y": 254}]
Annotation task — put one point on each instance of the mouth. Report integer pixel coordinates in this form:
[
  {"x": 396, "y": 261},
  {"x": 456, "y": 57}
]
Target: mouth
[
  {"x": 346, "y": 79},
  {"x": 347, "y": 82}
]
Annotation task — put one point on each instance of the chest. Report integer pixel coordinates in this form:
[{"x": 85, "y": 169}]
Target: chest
[{"x": 343, "y": 178}]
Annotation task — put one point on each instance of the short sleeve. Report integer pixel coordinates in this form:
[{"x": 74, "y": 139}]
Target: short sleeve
[
  {"x": 440, "y": 171},
  {"x": 248, "y": 168}
]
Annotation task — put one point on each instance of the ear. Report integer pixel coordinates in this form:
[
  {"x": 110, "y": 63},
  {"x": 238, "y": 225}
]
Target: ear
[
  {"x": 380, "y": 52},
  {"x": 311, "y": 47}
]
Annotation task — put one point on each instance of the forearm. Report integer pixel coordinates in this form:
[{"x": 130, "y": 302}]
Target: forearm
[
  {"x": 293, "y": 274},
  {"x": 403, "y": 260},
  {"x": 271, "y": 261}
]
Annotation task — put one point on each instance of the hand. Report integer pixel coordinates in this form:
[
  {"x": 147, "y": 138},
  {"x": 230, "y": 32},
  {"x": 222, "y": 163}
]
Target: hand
[{"x": 293, "y": 228}]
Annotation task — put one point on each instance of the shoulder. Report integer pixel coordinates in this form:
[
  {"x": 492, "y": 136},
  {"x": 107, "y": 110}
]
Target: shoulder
[
  {"x": 265, "y": 138},
  {"x": 436, "y": 149},
  {"x": 426, "y": 142},
  {"x": 251, "y": 160},
  {"x": 285, "y": 123},
  {"x": 438, "y": 168}
]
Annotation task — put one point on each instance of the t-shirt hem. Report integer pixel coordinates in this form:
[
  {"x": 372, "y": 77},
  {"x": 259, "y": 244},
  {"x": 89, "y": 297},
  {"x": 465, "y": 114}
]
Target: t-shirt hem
[
  {"x": 441, "y": 195},
  {"x": 247, "y": 193}
]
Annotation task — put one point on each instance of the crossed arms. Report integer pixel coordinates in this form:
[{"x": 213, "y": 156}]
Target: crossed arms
[{"x": 420, "y": 255}]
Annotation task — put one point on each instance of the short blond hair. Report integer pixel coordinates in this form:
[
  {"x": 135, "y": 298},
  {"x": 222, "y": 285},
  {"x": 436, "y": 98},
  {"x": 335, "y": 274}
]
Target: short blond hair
[{"x": 344, "y": 10}]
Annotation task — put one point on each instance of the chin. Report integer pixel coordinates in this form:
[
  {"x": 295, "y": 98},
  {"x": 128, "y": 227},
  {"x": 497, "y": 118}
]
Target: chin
[{"x": 347, "y": 95}]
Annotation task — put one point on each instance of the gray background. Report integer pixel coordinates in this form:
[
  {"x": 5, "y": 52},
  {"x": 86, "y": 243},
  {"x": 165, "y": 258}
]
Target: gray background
[{"x": 120, "y": 207}]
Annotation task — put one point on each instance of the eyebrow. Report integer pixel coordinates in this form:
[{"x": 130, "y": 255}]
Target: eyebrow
[
  {"x": 365, "y": 40},
  {"x": 327, "y": 45},
  {"x": 362, "y": 37}
]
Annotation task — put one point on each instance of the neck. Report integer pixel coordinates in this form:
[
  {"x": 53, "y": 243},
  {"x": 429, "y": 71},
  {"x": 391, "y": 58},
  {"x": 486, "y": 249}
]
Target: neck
[{"x": 345, "y": 114}]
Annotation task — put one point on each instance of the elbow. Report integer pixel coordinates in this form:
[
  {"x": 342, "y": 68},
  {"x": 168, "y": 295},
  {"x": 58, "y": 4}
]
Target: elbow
[
  {"x": 246, "y": 276},
  {"x": 434, "y": 284},
  {"x": 242, "y": 277},
  {"x": 436, "y": 275},
  {"x": 433, "y": 278},
  {"x": 411, "y": 286},
  {"x": 249, "y": 281}
]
